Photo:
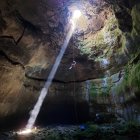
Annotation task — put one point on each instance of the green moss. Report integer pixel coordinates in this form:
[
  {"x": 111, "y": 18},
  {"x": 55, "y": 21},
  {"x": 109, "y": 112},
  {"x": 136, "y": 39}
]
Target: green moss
[
  {"x": 93, "y": 91},
  {"x": 109, "y": 132},
  {"x": 99, "y": 90},
  {"x": 123, "y": 41},
  {"x": 131, "y": 127},
  {"x": 136, "y": 20},
  {"x": 112, "y": 29},
  {"x": 131, "y": 79},
  {"x": 103, "y": 40},
  {"x": 91, "y": 131}
]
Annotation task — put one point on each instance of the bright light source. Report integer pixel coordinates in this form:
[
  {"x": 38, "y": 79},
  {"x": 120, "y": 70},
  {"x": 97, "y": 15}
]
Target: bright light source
[
  {"x": 76, "y": 14},
  {"x": 24, "y": 132}
]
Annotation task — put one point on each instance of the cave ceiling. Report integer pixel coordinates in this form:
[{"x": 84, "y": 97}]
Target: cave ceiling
[{"x": 32, "y": 33}]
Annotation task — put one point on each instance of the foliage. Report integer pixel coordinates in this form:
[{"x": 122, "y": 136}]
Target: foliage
[
  {"x": 93, "y": 90},
  {"x": 53, "y": 136},
  {"x": 99, "y": 45},
  {"x": 90, "y": 132},
  {"x": 59, "y": 136},
  {"x": 131, "y": 78},
  {"x": 136, "y": 19},
  {"x": 130, "y": 128},
  {"x": 102, "y": 91},
  {"x": 108, "y": 132}
]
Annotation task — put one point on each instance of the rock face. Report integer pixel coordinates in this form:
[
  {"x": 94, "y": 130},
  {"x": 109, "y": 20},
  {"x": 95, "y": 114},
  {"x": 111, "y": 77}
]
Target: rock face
[{"x": 32, "y": 33}]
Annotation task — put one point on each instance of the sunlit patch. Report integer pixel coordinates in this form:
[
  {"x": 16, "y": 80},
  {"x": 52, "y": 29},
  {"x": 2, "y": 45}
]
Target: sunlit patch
[{"x": 26, "y": 131}]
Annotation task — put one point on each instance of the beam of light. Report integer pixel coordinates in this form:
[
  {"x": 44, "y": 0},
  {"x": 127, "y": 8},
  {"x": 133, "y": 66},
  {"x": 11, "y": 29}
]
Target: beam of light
[{"x": 44, "y": 91}]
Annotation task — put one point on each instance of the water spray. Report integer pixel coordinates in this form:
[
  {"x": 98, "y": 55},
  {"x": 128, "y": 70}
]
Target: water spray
[{"x": 44, "y": 91}]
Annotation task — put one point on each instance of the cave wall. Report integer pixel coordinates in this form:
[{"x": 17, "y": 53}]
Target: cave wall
[
  {"x": 106, "y": 97},
  {"x": 111, "y": 92},
  {"x": 27, "y": 53}
]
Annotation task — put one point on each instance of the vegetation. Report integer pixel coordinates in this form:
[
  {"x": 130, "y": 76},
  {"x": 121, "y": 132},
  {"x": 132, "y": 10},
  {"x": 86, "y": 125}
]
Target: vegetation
[
  {"x": 136, "y": 19},
  {"x": 102, "y": 90},
  {"x": 93, "y": 90},
  {"x": 104, "y": 39},
  {"x": 90, "y": 132},
  {"x": 108, "y": 132},
  {"x": 131, "y": 79},
  {"x": 54, "y": 135},
  {"x": 130, "y": 128}
]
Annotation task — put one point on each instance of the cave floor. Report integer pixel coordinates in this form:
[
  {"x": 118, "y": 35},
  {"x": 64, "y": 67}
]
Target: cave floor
[{"x": 87, "y": 131}]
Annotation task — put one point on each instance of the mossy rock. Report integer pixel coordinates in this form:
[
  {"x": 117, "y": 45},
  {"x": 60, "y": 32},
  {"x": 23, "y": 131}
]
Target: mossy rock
[
  {"x": 104, "y": 39},
  {"x": 136, "y": 20}
]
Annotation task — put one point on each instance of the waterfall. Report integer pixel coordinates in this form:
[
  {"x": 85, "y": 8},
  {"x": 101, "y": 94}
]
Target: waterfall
[{"x": 87, "y": 90}]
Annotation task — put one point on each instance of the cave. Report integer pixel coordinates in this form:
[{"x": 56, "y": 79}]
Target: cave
[
  {"x": 69, "y": 70},
  {"x": 63, "y": 109}
]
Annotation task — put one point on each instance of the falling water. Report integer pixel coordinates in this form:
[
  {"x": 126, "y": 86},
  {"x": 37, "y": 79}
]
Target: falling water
[
  {"x": 44, "y": 91},
  {"x": 87, "y": 90},
  {"x": 105, "y": 82}
]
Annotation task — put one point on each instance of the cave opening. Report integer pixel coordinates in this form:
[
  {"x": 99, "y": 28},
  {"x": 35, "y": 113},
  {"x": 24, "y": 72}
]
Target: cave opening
[{"x": 60, "y": 110}]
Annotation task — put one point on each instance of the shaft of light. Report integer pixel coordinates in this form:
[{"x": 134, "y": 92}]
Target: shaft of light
[{"x": 44, "y": 91}]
